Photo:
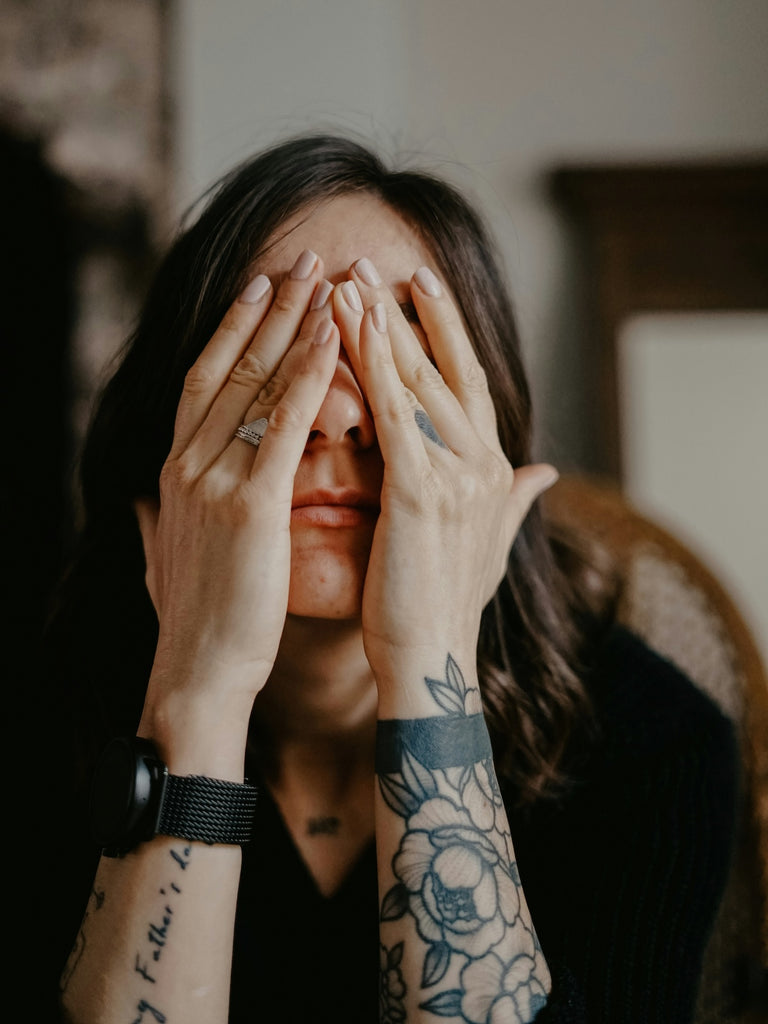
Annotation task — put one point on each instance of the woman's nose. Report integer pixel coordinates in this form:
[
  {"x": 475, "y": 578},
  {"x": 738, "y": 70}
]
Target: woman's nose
[{"x": 344, "y": 416}]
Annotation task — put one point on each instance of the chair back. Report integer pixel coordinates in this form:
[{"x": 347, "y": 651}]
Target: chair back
[{"x": 672, "y": 599}]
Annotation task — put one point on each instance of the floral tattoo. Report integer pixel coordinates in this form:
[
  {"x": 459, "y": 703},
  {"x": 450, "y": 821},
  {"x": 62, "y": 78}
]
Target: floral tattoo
[{"x": 455, "y": 871}]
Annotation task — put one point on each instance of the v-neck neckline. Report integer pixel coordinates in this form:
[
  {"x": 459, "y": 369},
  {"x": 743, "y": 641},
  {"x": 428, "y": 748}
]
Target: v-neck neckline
[{"x": 283, "y": 848}]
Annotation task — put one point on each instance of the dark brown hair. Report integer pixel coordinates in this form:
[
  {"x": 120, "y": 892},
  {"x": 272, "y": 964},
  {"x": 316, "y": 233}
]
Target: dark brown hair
[{"x": 537, "y": 629}]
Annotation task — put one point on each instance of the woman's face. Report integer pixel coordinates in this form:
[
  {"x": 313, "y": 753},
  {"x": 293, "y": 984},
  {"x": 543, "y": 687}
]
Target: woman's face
[{"x": 337, "y": 486}]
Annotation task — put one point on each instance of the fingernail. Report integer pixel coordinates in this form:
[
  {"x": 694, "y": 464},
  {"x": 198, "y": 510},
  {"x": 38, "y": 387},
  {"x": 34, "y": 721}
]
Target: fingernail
[
  {"x": 323, "y": 290},
  {"x": 366, "y": 270},
  {"x": 304, "y": 265},
  {"x": 324, "y": 332},
  {"x": 379, "y": 315},
  {"x": 352, "y": 296},
  {"x": 427, "y": 281},
  {"x": 256, "y": 289}
]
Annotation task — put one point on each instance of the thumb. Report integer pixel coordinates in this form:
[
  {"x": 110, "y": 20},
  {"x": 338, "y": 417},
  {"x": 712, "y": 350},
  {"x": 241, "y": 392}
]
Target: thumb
[{"x": 529, "y": 483}]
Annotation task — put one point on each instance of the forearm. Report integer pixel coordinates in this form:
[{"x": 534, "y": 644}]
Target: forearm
[
  {"x": 456, "y": 934},
  {"x": 155, "y": 943}
]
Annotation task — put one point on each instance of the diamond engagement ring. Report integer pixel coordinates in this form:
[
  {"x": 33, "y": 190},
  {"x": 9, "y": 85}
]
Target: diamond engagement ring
[{"x": 252, "y": 432}]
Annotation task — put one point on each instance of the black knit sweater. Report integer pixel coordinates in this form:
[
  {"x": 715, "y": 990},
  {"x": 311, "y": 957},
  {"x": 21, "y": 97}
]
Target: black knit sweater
[{"x": 623, "y": 875}]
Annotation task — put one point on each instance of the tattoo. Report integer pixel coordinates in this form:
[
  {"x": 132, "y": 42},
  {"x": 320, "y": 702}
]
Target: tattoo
[
  {"x": 323, "y": 826},
  {"x": 144, "y": 1007},
  {"x": 427, "y": 427},
  {"x": 147, "y": 960},
  {"x": 456, "y": 877},
  {"x": 392, "y": 987},
  {"x": 95, "y": 903}
]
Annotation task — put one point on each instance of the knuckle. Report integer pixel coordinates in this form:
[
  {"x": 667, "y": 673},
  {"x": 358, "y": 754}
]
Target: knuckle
[
  {"x": 285, "y": 302},
  {"x": 287, "y": 416},
  {"x": 176, "y": 475},
  {"x": 198, "y": 379},
  {"x": 271, "y": 392},
  {"x": 250, "y": 370},
  {"x": 399, "y": 410},
  {"x": 494, "y": 472},
  {"x": 470, "y": 488},
  {"x": 474, "y": 378},
  {"x": 424, "y": 374}
]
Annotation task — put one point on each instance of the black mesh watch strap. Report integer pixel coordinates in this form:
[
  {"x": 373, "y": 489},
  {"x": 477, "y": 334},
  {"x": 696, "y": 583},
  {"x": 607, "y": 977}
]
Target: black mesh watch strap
[{"x": 208, "y": 810}]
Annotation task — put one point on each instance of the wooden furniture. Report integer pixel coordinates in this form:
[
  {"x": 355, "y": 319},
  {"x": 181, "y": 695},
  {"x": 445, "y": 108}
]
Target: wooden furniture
[
  {"x": 661, "y": 238},
  {"x": 672, "y": 599}
]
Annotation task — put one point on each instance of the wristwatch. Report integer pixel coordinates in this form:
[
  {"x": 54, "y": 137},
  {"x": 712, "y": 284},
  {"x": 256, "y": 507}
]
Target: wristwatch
[{"x": 134, "y": 798}]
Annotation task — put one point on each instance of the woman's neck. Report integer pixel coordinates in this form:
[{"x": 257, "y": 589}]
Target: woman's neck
[
  {"x": 314, "y": 726},
  {"x": 321, "y": 695}
]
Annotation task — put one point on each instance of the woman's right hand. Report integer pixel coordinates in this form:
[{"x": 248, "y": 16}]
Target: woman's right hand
[{"x": 217, "y": 545}]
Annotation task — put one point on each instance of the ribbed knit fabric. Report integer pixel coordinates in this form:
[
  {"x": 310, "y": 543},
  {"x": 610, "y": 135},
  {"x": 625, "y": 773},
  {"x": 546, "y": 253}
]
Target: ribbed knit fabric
[{"x": 623, "y": 876}]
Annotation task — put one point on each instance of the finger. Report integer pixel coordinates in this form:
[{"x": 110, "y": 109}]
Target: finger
[
  {"x": 285, "y": 439},
  {"x": 416, "y": 370},
  {"x": 320, "y": 309},
  {"x": 453, "y": 352},
  {"x": 206, "y": 375},
  {"x": 348, "y": 313},
  {"x": 287, "y": 321},
  {"x": 444, "y": 340},
  {"x": 391, "y": 405}
]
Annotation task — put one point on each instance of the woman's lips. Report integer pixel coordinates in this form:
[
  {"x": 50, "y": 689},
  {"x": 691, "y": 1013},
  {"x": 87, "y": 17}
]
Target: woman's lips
[{"x": 334, "y": 508}]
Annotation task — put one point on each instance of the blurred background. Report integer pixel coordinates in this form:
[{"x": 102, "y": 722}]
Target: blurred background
[{"x": 618, "y": 150}]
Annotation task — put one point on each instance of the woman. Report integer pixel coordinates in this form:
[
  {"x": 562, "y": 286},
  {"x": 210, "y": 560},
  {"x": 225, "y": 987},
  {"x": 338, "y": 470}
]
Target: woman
[{"x": 309, "y": 568}]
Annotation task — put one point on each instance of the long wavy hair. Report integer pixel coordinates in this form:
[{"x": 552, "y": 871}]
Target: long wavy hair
[{"x": 536, "y": 632}]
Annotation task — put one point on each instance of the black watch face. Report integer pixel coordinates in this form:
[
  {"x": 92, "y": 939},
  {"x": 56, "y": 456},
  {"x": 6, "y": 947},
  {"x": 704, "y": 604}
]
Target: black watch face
[{"x": 122, "y": 794}]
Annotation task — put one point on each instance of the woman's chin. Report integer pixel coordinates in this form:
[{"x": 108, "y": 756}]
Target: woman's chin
[
  {"x": 327, "y": 578},
  {"x": 335, "y": 594}
]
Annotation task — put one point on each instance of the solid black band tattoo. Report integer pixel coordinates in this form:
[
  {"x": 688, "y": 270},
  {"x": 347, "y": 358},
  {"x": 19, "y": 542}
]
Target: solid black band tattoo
[
  {"x": 445, "y": 741},
  {"x": 427, "y": 427}
]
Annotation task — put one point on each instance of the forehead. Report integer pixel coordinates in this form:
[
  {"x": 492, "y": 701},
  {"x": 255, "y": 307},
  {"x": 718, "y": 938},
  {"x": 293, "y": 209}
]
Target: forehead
[{"x": 340, "y": 231}]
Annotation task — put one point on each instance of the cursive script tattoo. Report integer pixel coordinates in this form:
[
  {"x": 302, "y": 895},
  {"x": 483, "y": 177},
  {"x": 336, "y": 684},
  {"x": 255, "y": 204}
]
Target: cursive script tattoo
[
  {"x": 148, "y": 958},
  {"x": 455, "y": 874}
]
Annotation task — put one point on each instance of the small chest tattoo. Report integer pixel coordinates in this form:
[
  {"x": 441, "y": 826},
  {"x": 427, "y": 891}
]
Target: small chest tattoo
[{"x": 323, "y": 826}]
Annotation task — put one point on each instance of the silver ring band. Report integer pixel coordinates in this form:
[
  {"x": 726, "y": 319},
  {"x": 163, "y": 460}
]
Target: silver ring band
[{"x": 252, "y": 432}]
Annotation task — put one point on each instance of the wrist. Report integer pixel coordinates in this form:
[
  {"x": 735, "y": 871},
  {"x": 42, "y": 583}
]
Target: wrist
[
  {"x": 427, "y": 682},
  {"x": 134, "y": 798},
  {"x": 194, "y": 738}
]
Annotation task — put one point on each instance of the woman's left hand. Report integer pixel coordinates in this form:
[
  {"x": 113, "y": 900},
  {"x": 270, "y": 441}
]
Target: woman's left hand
[{"x": 451, "y": 504}]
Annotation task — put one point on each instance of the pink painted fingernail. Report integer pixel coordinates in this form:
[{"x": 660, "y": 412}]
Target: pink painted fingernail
[
  {"x": 427, "y": 281},
  {"x": 324, "y": 332},
  {"x": 352, "y": 296},
  {"x": 323, "y": 290},
  {"x": 379, "y": 316},
  {"x": 304, "y": 265},
  {"x": 366, "y": 270},
  {"x": 256, "y": 289}
]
